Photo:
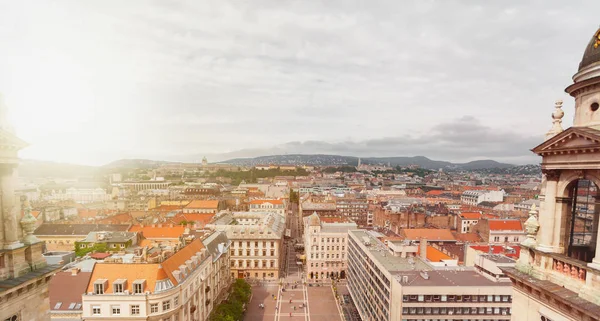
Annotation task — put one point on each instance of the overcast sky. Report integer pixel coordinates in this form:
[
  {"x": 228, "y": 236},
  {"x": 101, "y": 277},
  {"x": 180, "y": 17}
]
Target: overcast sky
[{"x": 94, "y": 81}]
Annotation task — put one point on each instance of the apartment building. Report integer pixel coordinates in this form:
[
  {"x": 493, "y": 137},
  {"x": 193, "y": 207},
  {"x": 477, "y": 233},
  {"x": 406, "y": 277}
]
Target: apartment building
[
  {"x": 325, "y": 247},
  {"x": 218, "y": 247},
  {"x": 474, "y": 197},
  {"x": 391, "y": 284},
  {"x": 353, "y": 208},
  {"x": 256, "y": 242},
  {"x": 176, "y": 288},
  {"x": 62, "y": 237},
  {"x": 468, "y": 219},
  {"x": 267, "y": 205},
  {"x": 497, "y": 231}
]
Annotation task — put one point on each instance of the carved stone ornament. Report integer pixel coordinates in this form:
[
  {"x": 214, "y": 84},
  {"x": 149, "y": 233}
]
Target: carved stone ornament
[
  {"x": 531, "y": 227},
  {"x": 551, "y": 174},
  {"x": 28, "y": 225}
]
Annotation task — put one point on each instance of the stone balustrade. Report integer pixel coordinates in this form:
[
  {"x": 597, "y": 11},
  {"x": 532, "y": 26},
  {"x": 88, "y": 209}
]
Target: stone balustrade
[{"x": 570, "y": 270}]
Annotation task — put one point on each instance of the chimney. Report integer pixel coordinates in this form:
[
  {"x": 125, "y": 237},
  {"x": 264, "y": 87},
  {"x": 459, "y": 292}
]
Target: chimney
[
  {"x": 74, "y": 271},
  {"x": 171, "y": 225},
  {"x": 423, "y": 248}
]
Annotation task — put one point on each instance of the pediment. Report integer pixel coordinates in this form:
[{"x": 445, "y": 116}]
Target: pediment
[{"x": 572, "y": 140}]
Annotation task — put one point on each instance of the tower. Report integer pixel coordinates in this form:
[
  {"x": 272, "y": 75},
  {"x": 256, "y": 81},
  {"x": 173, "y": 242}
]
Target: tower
[
  {"x": 557, "y": 276},
  {"x": 204, "y": 161},
  {"x": 24, "y": 274}
]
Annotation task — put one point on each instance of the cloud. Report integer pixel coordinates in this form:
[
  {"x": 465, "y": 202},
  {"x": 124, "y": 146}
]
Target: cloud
[
  {"x": 460, "y": 140},
  {"x": 107, "y": 80}
]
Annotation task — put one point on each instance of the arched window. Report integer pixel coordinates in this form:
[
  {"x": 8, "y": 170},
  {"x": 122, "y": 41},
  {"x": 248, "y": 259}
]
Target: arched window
[{"x": 583, "y": 223}]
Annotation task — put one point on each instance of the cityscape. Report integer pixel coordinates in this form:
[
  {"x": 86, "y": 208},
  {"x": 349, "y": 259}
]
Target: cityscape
[{"x": 309, "y": 230}]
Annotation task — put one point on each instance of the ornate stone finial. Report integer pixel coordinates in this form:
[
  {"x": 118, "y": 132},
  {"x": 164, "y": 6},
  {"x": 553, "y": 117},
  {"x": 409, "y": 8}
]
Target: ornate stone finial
[
  {"x": 531, "y": 227},
  {"x": 557, "y": 116},
  {"x": 28, "y": 224}
]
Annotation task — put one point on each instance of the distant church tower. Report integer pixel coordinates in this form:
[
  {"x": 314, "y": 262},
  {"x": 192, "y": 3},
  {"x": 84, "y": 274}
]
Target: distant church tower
[
  {"x": 24, "y": 274},
  {"x": 557, "y": 276},
  {"x": 358, "y": 162},
  {"x": 204, "y": 161}
]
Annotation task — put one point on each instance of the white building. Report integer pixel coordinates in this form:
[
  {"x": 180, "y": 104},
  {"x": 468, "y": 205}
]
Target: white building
[
  {"x": 474, "y": 197},
  {"x": 176, "y": 288},
  {"x": 256, "y": 243},
  {"x": 82, "y": 195},
  {"x": 268, "y": 205},
  {"x": 325, "y": 246}
]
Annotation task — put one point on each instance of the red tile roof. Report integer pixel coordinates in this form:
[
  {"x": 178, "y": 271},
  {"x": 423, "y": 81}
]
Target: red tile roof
[
  {"x": 505, "y": 225},
  {"x": 471, "y": 215},
  {"x": 467, "y": 237},
  {"x": 434, "y": 193},
  {"x": 156, "y": 232},
  {"x": 272, "y": 201},
  {"x": 67, "y": 289},
  {"x": 498, "y": 249},
  {"x": 197, "y": 218},
  {"x": 435, "y": 255},
  {"x": 429, "y": 234}
]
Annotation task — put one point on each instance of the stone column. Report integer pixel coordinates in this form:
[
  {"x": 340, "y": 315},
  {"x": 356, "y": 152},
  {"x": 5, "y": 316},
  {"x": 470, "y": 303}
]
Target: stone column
[
  {"x": 10, "y": 207},
  {"x": 596, "y": 261},
  {"x": 547, "y": 217}
]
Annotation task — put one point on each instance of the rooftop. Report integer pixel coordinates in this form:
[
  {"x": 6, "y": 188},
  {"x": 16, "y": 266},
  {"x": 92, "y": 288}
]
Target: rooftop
[
  {"x": 212, "y": 204},
  {"x": 505, "y": 225},
  {"x": 449, "y": 278},
  {"x": 77, "y": 229},
  {"x": 66, "y": 288},
  {"x": 381, "y": 254},
  {"x": 155, "y": 232},
  {"x": 429, "y": 234}
]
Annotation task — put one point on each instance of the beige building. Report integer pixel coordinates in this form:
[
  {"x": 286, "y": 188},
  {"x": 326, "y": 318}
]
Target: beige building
[
  {"x": 202, "y": 206},
  {"x": 268, "y": 205},
  {"x": 386, "y": 285},
  {"x": 62, "y": 237},
  {"x": 325, "y": 246},
  {"x": 256, "y": 243},
  {"x": 175, "y": 287},
  {"x": 24, "y": 275},
  {"x": 557, "y": 276}
]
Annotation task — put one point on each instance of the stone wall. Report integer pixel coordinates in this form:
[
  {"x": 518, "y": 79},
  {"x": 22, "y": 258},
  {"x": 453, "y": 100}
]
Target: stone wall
[{"x": 30, "y": 302}]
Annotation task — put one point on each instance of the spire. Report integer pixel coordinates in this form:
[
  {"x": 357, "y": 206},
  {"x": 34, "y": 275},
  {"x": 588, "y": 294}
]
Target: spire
[{"x": 557, "y": 116}]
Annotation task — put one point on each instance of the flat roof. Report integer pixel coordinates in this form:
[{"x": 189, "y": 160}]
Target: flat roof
[
  {"x": 380, "y": 253},
  {"x": 448, "y": 278}
]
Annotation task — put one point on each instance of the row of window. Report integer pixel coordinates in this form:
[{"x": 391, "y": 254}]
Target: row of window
[
  {"x": 134, "y": 309},
  {"x": 336, "y": 264},
  {"x": 456, "y": 298},
  {"x": 253, "y": 263},
  {"x": 249, "y": 252},
  {"x": 329, "y": 239},
  {"x": 337, "y": 248},
  {"x": 248, "y": 243},
  {"x": 457, "y": 310},
  {"x": 497, "y": 239},
  {"x": 336, "y": 256}
]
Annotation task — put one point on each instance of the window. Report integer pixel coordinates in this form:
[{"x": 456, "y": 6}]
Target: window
[
  {"x": 496, "y": 238},
  {"x": 119, "y": 285},
  {"x": 96, "y": 310},
  {"x": 153, "y": 307},
  {"x": 166, "y": 305},
  {"x": 138, "y": 286},
  {"x": 506, "y": 239},
  {"x": 135, "y": 310},
  {"x": 176, "y": 301},
  {"x": 115, "y": 309},
  {"x": 100, "y": 285}
]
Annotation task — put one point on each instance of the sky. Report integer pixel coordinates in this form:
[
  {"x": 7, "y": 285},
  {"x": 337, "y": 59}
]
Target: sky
[{"x": 90, "y": 82}]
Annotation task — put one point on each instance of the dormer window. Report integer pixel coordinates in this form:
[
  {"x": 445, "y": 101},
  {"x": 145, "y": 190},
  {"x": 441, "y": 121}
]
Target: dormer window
[
  {"x": 138, "y": 286},
  {"x": 100, "y": 286},
  {"x": 119, "y": 285}
]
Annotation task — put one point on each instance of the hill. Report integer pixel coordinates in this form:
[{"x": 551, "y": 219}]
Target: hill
[{"x": 337, "y": 160}]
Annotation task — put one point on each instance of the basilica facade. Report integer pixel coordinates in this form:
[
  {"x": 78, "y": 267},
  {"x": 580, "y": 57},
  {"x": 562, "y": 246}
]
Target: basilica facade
[{"x": 557, "y": 276}]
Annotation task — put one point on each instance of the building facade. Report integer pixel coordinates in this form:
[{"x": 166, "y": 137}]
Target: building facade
[
  {"x": 475, "y": 197},
  {"x": 557, "y": 276},
  {"x": 325, "y": 246},
  {"x": 386, "y": 284},
  {"x": 176, "y": 288},
  {"x": 256, "y": 243},
  {"x": 267, "y": 205}
]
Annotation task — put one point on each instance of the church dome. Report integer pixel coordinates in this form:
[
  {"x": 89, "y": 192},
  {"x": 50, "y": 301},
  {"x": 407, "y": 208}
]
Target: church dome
[{"x": 592, "y": 52}]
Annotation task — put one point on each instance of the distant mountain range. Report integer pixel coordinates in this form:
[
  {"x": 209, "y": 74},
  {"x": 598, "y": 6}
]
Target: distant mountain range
[
  {"x": 35, "y": 168},
  {"x": 328, "y": 160}
]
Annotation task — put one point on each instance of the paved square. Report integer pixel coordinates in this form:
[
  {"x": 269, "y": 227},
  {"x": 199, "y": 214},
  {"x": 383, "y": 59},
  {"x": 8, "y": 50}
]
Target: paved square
[
  {"x": 262, "y": 294},
  {"x": 322, "y": 306}
]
